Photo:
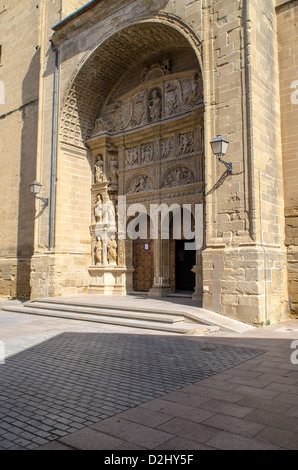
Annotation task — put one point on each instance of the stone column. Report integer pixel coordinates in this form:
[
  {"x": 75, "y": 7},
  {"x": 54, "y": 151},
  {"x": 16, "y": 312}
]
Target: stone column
[{"x": 161, "y": 286}]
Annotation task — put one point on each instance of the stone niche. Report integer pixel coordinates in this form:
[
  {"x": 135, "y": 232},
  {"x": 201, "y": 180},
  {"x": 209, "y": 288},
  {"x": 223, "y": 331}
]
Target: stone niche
[{"x": 147, "y": 145}]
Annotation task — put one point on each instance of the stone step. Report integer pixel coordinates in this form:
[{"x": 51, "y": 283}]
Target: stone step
[
  {"x": 190, "y": 310},
  {"x": 107, "y": 311},
  {"x": 176, "y": 327},
  {"x": 134, "y": 306}
]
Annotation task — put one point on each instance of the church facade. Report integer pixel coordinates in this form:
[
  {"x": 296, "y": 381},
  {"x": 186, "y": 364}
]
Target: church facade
[{"x": 111, "y": 107}]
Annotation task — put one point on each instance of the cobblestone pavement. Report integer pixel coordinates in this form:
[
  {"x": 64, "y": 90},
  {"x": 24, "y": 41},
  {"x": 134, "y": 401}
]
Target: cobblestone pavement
[{"x": 71, "y": 385}]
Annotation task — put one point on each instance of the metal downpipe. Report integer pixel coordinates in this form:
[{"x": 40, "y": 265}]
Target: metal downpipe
[{"x": 52, "y": 199}]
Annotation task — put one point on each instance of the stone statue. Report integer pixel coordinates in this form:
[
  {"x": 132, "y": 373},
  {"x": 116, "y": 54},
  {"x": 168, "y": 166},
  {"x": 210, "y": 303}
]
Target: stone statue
[
  {"x": 114, "y": 173},
  {"x": 155, "y": 106},
  {"x": 112, "y": 251},
  {"x": 98, "y": 252},
  {"x": 98, "y": 170},
  {"x": 111, "y": 216},
  {"x": 98, "y": 209},
  {"x": 99, "y": 126}
]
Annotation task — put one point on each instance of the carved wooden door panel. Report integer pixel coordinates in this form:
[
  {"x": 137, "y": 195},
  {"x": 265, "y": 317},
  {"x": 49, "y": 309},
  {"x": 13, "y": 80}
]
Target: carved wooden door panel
[{"x": 143, "y": 265}]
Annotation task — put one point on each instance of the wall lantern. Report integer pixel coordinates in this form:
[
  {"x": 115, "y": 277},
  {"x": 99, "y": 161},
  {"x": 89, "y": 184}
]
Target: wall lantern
[
  {"x": 220, "y": 147},
  {"x": 35, "y": 188}
]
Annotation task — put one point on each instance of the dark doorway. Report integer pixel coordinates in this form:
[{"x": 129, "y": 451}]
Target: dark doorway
[{"x": 185, "y": 261}]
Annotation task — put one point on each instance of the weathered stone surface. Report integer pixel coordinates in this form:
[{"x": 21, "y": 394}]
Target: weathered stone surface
[{"x": 143, "y": 88}]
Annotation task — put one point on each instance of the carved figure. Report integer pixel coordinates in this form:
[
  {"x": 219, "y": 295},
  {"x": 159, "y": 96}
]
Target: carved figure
[
  {"x": 114, "y": 172},
  {"x": 139, "y": 185},
  {"x": 147, "y": 153},
  {"x": 98, "y": 251},
  {"x": 171, "y": 98},
  {"x": 155, "y": 106},
  {"x": 195, "y": 94},
  {"x": 179, "y": 177},
  {"x": 167, "y": 148},
  {"x": 99, "y": 126},
  {"x": 98, "y": 209},
  {"x": 112, "y": 251},
  {"x": 98, "y": 170},
  {"x": 131, "y": 156},
  {"x": 186, "y": 143},
  {"x": 111, "y": 212}
]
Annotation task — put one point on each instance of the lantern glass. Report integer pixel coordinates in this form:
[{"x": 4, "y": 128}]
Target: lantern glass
[
  {"x": 35, "y": 187},
  {"x": 219, "y": 145}
]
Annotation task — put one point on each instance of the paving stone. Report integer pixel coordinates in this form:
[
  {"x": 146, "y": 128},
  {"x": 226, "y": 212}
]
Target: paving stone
[
  {"x": 59, "y": 382},
  {"x": 232, "y": 424},
  {"x": 224, "y": 407},
  {"x": 145, "y": 416},
  {"x": 155, "y": 405},
  {"x": 227, "y": 440},
  {"x": 189, "y": 430},
  {"x": 274, "y": 419},
  {"x": 255, "y": 391},
  {"x": 89, "y": 439},
  {"x": 269, "y": 405},
  {"x": 283, "y": 388},
  {"x": 179, "y": 443},
  {"x": 278, "y": 437},
  {"x": 133, "y": 432},
  {"x": 204, "y": 393},
  {"x": 55, "y": 445},
  {"x": 187, "y": 412}
]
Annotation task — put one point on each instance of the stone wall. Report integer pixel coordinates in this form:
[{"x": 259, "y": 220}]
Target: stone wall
[
  {"x": 26, "y": 70},
  {"x": 235, "y": 43},
  {"x": 287, "y": 16},
  {"x": 18, "y": 129}
]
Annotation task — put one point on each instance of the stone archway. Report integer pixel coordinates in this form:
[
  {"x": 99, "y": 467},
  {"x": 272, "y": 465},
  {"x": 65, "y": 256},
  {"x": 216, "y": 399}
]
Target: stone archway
[{"x": 138, "y": 105}]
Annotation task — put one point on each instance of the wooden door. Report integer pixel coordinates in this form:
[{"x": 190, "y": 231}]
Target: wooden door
[{"x": 143, "y": 265}]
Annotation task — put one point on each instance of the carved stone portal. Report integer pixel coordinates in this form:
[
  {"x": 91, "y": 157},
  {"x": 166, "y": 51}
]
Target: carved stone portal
[{"x": 147, "y": 146}]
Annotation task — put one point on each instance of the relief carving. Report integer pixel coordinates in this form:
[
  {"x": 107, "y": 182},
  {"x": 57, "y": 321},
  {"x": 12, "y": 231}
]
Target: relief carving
[
  {"x": 180, "y": 176},
  {"x": 147, "y": 153},
  {"x": 131, "y": 157},
  {"x": 156, "y": 70},
  {"x": 123, "y": 115},
  {"x": 167, "y": 148},
  {"x": 140, "y": 184},
  {"x": 193, "y": 90},
  {"x": 171, "y": 98},
  {"x": 99, "y": 126},
  {"x": 146, "y": 106},
  {"x": 139, "y": 109},
  {"x": 186, "y": 143}
]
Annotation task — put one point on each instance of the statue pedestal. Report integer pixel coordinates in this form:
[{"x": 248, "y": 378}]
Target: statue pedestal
[
  {"x": 198, "y": 292},
  {"x": 110, "y": 280}
]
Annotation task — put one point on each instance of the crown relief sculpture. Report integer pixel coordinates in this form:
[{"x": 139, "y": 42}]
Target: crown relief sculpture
[{"x": 146, "y": 106}]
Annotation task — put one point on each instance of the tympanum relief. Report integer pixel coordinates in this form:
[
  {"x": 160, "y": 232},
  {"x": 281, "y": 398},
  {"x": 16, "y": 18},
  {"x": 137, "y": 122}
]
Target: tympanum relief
[{"x": 157, "y": 98}]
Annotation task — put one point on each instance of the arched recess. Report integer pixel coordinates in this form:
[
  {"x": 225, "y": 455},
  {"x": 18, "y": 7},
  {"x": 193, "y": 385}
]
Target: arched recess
[
  {"x": 137, "y": 103},
  {"x": 100, "y": 70}
]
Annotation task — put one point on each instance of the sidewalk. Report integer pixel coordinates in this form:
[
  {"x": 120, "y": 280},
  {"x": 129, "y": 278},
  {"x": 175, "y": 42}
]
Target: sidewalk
[{"x": 75, "y": 385}]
